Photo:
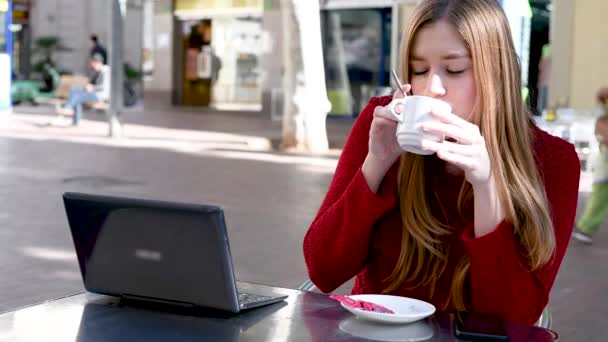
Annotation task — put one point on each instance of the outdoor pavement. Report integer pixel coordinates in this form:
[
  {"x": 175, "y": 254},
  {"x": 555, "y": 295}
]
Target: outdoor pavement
[{"x": 203, "y": 156}]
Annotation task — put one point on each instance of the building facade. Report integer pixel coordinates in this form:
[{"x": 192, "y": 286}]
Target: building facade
[
  {"x": 73, "y": 21},
  {"x": 246, "y": 36}
]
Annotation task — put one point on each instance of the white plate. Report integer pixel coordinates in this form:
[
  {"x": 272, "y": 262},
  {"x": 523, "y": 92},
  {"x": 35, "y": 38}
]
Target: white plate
[
  {"x": 406, "y": 309},
  {"x": 417, "y": 331}
]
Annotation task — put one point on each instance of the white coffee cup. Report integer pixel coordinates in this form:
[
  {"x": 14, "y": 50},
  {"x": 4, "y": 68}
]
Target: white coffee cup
[{"x": 416, "y": 110}]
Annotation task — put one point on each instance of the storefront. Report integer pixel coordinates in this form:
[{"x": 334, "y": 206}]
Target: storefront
[
  {"x": 361, "y": 41},
  {"x": 5, "y": 55},
  {"x": 216, "y": 53}
]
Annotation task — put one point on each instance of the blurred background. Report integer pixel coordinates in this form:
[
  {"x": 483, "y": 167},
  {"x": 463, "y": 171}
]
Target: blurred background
[{"x": 246, "y": 104}]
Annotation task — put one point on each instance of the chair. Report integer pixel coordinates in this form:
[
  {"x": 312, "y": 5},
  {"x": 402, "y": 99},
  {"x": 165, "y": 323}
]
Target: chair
[
  {"x": 308, "y": 286},
  {"x": 544, "y": 321}
]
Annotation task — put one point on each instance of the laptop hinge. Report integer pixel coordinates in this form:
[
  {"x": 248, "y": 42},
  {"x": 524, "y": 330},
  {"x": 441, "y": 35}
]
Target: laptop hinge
[{"x": 140, "y": 298}]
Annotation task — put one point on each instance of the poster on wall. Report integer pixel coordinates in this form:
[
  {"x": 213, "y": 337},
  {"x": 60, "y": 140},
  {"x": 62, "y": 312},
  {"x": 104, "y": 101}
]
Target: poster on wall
[
  {"x": 204, "y": 62},
  {"x": 191, "y": 64}
]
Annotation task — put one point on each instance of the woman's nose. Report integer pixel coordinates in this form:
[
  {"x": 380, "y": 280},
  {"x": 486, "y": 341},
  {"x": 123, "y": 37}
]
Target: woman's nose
[{"x": 435, "y": 86}]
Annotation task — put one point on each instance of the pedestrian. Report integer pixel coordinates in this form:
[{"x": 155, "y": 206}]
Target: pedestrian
[
  {"x": 481, "y": 220},
  {"x": 596, "y": 208},
  {"x": 98, "y": 49},
  {"x": 97, "y": 90}
]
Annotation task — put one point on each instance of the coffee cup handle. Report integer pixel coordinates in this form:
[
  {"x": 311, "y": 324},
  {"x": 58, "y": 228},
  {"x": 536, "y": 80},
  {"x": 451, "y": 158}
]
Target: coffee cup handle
[{"x": 391, "y": 108}]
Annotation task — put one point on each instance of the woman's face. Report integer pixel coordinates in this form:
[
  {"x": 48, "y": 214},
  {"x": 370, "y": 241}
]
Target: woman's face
[{"x": 441, "y": 67}]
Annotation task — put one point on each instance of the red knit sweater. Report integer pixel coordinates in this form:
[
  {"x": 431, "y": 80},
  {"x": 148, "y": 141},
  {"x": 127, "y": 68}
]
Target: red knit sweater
[{"x": 358, "y": 233}]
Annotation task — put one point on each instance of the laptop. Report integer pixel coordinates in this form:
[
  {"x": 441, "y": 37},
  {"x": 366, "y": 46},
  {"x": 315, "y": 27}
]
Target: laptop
[{"x": 158, "y": 251}]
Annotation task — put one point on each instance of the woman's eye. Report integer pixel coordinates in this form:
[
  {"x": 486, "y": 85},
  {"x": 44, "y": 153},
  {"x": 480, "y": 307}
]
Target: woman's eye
[
  {"x": 456, "y": 72},
  {"x": 419, "y": 72}
]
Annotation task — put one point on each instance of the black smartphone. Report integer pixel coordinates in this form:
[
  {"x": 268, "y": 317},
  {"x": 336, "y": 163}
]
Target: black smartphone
[{"x": 480, "y": 327}]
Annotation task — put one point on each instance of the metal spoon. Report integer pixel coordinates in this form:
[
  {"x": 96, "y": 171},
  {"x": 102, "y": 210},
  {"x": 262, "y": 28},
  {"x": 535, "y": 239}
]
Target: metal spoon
[{"x": 396, "y": 78}]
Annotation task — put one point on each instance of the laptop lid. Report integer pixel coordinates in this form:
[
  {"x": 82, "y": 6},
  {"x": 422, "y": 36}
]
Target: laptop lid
[{"x": 153, "y": 250}]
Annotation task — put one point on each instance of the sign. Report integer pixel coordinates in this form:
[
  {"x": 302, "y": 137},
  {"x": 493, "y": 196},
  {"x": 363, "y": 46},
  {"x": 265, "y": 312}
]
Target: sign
[
  {"x": 203, "y": 65},
  {"x": 21, "y": 11},
  {"x": 354, "y": 4},
  {"x": 199, "y": 9},
  {"x": 181, "y": 5}
]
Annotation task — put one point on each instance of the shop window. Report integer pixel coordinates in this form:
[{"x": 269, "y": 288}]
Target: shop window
[{"x": 356, "y": 55}]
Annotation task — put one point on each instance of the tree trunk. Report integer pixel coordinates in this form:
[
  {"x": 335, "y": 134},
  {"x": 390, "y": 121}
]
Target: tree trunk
[{"x": 306, "y": 104}]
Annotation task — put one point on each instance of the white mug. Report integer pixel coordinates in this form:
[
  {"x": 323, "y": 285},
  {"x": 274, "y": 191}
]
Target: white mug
[{"x": 416, "y": 110}]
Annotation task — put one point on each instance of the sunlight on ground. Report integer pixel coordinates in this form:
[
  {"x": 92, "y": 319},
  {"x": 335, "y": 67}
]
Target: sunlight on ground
[
  {"x": 40, "y": 323},
  {"x": 54, "y": 254},
  {"x": 205, "y": 143}
]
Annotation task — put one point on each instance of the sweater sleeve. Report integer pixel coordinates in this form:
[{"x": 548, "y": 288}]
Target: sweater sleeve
[
  {"x": 336, "y": 245},
  {"x": 499, "y": 283}
]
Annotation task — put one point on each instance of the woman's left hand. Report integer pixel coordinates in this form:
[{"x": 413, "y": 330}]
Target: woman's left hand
[{"x": 467, "y": 148}]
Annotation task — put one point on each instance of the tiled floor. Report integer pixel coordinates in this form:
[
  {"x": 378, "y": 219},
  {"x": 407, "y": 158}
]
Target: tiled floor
[{"x": 181, "y": 154}]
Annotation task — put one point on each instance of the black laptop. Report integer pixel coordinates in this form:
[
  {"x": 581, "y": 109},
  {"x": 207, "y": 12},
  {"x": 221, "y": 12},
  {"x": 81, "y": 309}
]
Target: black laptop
[{"x": 157, "y": 251}]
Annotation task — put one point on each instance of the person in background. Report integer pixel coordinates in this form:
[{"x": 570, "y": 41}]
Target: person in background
[
  {"x": 216, "y": 66},
  {"x": 98, "y": 90},
  {"x": 98, "y": 49},
  {"x": 596, "y": 208},
  {"x": 480, "y": 224}
]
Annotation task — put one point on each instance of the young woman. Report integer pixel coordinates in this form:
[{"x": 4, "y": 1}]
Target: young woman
[{"x": 483, "y": 223}]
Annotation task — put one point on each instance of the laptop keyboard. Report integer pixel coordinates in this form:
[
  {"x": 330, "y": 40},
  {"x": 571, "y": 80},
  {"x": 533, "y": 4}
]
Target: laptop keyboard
[{"x": 248, "y": 298}]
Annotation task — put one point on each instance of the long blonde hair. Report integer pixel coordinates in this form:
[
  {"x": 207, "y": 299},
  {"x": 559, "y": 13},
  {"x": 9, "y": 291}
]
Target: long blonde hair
[{"x": 503, "y": 120}]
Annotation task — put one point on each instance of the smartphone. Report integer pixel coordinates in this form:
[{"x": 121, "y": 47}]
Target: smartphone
[{"x": 480, "y": 327}]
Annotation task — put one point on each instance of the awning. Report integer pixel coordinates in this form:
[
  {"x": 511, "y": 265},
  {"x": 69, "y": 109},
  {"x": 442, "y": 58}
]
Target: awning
[
  {"x": 214, "y": 13},
  {"x": 356, "y": 4},
  {"x": 206, "y": 9}
]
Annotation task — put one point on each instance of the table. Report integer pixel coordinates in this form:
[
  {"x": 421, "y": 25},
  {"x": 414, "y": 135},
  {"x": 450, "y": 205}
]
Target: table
[{"x": 304, "y": 316}]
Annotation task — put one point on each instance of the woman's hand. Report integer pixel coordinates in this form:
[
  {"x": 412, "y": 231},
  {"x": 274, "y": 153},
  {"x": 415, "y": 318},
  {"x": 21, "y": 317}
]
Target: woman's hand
[
  {"x": 468, "y": 151},
  {"x": 383, "y": 147},
  {"x": 465, "y": 148},
  {"x": 383, "y": 143}
]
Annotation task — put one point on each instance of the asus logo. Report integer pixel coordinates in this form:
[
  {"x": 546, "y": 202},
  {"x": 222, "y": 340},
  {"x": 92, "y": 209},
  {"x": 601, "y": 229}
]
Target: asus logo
[{"x": 146, "y": 254}]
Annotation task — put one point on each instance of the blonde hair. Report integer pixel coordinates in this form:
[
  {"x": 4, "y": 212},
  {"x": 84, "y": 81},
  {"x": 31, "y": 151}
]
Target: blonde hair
[{"x": 503, "y": 120}]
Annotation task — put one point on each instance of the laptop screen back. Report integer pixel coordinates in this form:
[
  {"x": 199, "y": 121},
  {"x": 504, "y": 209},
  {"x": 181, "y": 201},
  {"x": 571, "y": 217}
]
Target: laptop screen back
[{"x": 153, "y": 250}]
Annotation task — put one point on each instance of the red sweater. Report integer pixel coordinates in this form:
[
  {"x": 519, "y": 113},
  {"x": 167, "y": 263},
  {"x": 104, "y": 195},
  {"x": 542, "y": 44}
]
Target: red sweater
[{"x": 358, "y": 233}]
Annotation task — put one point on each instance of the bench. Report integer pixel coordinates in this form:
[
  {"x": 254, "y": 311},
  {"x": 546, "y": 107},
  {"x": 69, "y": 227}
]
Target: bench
[
  {"x": 101, "y": 106},
  {"x": 63, "y": 91},
  {"x": 51, "y": 101}
]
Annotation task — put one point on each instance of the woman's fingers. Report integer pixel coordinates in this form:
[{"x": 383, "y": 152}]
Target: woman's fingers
[
  {"x": 451, "y": 118},
  {"x": 384, "y": 112},
  {"x": 457, "y": 133},
  {"x": 380, "y": 120},
  {"x": 464, "y": 162},
  {"x": 434, "y": 146}
]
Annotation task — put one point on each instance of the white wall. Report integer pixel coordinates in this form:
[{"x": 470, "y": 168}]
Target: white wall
[
  {"x": 63, "y": 18},
  {"x": 589, "y": 51},
  {"x": 162, "y": 39},
  {"x": 561, "y": 39},
  {"x": 74, "y": 20},
  {"x": 272, "y": 59}
]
